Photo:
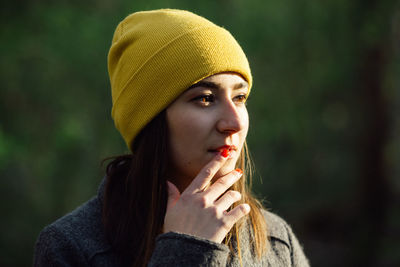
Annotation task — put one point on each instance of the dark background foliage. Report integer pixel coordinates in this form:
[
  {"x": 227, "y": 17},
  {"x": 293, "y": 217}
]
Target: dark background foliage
[{"x": 324, "y": 115}]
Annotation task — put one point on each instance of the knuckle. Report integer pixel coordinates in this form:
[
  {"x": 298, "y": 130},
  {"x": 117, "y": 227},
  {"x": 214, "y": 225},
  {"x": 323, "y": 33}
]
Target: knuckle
[
  {"x": 208, "y": 172},
  {"x": 235, "y": 195},
  {"x": 223, "y": 182},
  {"x": 214, "y": 211},
  {"x": 243, "y": 209},
  {"x": 203, "y": 201},
  {"x": 226, "y": 224}
]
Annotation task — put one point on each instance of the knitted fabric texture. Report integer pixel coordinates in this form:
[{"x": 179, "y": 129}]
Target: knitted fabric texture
[
  {"x": 156, "y": 55},
  {"x": 78, "y": 239}
]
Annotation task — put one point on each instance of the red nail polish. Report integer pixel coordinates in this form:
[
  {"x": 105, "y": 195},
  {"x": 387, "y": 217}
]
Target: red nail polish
[
  {"x": 239, "y": 170},
  {"x": 225, "y": 153}
]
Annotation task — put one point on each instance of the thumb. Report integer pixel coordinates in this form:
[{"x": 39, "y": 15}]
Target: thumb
[{"x": 173, "y": 194}]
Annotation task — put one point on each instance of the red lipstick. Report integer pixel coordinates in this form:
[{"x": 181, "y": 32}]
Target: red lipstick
[
  {"x": 227, "y": 147},
  {"x": 225, "y": 153},
  {"x": 225, "y": 150}
]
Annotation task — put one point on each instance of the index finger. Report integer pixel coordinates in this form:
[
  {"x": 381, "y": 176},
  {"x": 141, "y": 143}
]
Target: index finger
[{"x": 207, "y": 173}]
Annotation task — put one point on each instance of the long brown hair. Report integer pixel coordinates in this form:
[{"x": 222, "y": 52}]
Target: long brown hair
[{"x": 135, "y": 197}]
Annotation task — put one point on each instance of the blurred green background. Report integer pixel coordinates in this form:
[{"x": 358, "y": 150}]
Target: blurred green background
[{"x": 325, "y": 116}]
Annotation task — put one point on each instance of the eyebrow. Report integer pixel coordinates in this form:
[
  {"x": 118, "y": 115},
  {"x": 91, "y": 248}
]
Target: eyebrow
[{"x": 213, "y": 85}]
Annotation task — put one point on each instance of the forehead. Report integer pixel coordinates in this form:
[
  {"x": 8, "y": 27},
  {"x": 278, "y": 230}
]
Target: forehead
[
  {"x": 222, "y": 81},
  {"x": 229, "y": 79}
]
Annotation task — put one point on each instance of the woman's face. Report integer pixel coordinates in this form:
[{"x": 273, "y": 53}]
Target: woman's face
[{"x": 208, "y": 117}]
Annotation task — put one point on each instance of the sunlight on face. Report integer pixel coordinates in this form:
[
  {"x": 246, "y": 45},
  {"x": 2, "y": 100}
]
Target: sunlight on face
[{"x": 209, "y": 115}]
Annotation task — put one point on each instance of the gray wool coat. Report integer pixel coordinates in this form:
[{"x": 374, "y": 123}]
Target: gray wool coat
[{"x": 77, "y": 239}]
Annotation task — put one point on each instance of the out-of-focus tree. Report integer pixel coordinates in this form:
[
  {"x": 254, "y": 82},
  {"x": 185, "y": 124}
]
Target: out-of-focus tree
[{"x": 324, "y": 116}]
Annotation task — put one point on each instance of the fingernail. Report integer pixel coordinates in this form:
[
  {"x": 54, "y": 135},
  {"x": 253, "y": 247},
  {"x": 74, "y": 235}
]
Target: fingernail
[
  {"x": 239, "y": 173},
  {"x": 225, "y": 153},
  {"x": 246, "y": 207}
]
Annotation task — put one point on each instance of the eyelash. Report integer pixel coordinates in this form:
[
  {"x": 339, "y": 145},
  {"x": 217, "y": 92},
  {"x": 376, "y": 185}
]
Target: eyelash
[
  {"x": 243, "y": 98},
  {"x": 206, "y": 99}
]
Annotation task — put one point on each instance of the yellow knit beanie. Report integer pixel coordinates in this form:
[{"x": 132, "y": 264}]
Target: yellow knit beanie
[{"x": 156, "y": 55}]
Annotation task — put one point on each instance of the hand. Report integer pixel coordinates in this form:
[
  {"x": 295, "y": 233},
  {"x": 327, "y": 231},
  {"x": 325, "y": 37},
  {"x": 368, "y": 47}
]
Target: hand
[{"x": 201, "y": 210}]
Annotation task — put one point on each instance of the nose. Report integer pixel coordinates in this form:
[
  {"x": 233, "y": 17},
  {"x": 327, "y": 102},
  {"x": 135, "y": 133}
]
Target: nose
[{"x": 231, "y": 118}]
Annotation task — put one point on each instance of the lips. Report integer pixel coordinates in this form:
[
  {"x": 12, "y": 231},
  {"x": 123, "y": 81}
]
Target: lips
[{"x": 224, "y": 147}]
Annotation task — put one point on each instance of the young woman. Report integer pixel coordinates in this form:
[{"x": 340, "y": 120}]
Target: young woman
[{"x": 181, "y": 198}]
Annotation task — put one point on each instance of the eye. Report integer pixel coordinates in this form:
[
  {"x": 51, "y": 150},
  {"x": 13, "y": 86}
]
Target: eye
[
  {"x": 242, "y": 98},
  {"x": 204, "y": 100}
]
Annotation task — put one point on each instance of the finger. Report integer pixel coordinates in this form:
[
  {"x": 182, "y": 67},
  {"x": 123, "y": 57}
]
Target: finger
[
  {"x": 222, "y": 184},
  {"x": 227, "y": 199},
  {"x": 207, "y": 173},
  {"x": 237, "y": 213},
  {"x": 173, "y": 194}
]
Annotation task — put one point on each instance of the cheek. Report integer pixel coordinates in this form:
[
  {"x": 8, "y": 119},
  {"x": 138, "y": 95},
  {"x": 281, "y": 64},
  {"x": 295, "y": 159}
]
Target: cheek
[
  {"x": 187, "y": 135},
  {"x": 244, "y": 117},
  {"x": 185, "y": 127}
]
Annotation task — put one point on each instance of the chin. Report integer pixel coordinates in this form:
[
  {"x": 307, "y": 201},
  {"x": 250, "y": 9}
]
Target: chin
[{"x": 227, "y": 168}]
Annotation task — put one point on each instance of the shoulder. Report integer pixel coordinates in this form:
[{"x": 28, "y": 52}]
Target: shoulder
[
  {"x": 283, "y": 242},
  {"x": 277, "y": 227},
  {"x": 75, "y": 237}
]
